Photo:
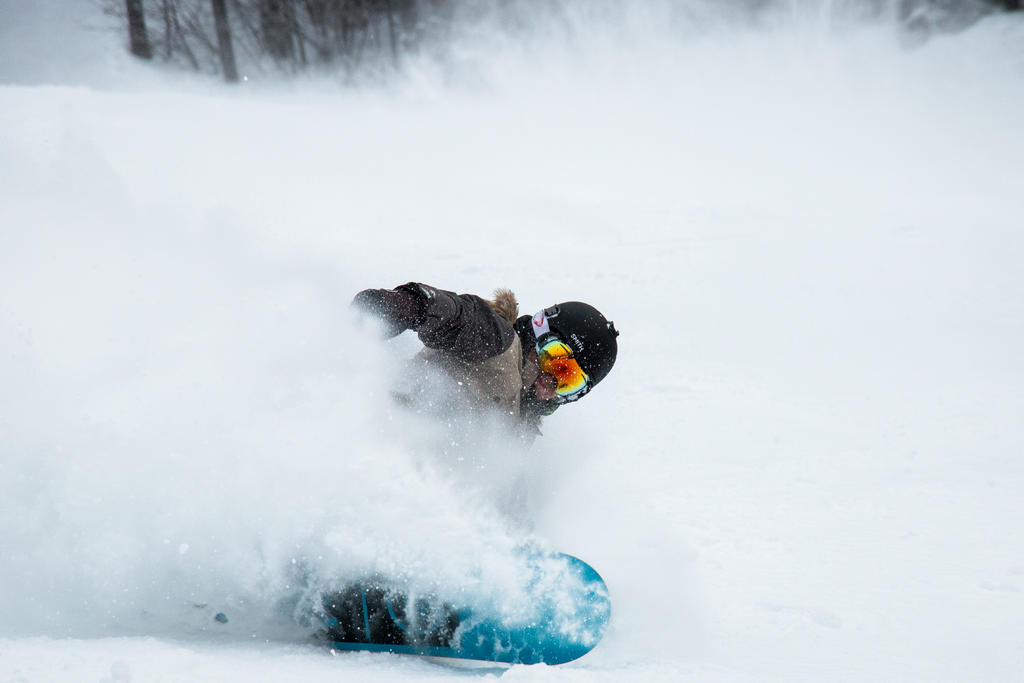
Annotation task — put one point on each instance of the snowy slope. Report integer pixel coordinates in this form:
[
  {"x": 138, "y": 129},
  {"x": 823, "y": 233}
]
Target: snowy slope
[{"x": 805, "y": 466}]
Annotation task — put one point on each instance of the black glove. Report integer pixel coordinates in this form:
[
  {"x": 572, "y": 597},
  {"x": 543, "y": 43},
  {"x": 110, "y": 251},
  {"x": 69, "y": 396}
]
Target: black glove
[{"x": 399, "y": 309}]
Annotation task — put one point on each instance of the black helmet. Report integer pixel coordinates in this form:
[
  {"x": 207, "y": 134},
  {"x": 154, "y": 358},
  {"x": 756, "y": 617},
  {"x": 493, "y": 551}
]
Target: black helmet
[{"x": 586, "y": 331}]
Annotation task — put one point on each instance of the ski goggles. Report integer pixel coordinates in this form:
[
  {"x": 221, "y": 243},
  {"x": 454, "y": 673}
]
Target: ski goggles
[{"x": 555, "y": 358}]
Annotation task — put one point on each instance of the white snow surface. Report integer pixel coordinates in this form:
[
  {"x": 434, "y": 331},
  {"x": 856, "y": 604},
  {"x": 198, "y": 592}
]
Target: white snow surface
[{"x": 805, "y": 466}]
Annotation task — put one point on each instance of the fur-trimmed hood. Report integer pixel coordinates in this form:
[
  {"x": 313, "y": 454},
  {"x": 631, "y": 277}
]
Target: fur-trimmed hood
[{"x": 505, "y": 305}]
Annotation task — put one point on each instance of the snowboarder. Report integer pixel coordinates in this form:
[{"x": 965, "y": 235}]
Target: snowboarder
[{"x": 525, "y": 367}]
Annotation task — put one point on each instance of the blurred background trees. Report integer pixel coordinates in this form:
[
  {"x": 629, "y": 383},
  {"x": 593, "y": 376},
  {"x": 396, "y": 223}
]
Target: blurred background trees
[
  {"x": 373, "y": 36},
  {"x": 289, "y": 35}
]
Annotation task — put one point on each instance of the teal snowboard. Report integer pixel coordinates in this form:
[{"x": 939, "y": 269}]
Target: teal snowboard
[{"x": 560, "y": 616}]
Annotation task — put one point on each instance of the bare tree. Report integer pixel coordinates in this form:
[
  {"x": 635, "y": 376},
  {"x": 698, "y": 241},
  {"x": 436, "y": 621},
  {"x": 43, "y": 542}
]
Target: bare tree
[
  {"x": 137, "y": 33},
  {"x": 227, "y": 54},
  {"x": 392, "y": 32},
  {"x": 276, "y": 26},
  {"x": 224, "y": 36}
]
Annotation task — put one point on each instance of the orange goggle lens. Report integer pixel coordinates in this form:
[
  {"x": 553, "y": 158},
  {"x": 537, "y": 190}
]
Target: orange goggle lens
[{"x": 555, "y": 358}]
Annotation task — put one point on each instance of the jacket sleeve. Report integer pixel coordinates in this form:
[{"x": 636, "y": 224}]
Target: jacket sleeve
[{"x": 462, "y": 325}]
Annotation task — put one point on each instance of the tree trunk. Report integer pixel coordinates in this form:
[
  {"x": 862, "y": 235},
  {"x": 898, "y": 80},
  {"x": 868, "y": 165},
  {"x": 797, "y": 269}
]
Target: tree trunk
[
  {"x": 276, "y": 29},
  {"x": 140, "y": 45},
  {"x": 168, "y": 29},
  {"x": 392, "y": 33},
  {"x": 227, "y": 54}
]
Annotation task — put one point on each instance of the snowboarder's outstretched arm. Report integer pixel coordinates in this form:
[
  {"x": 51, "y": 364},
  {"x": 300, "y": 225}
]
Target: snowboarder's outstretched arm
[{"x": 462, "y": 325}]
